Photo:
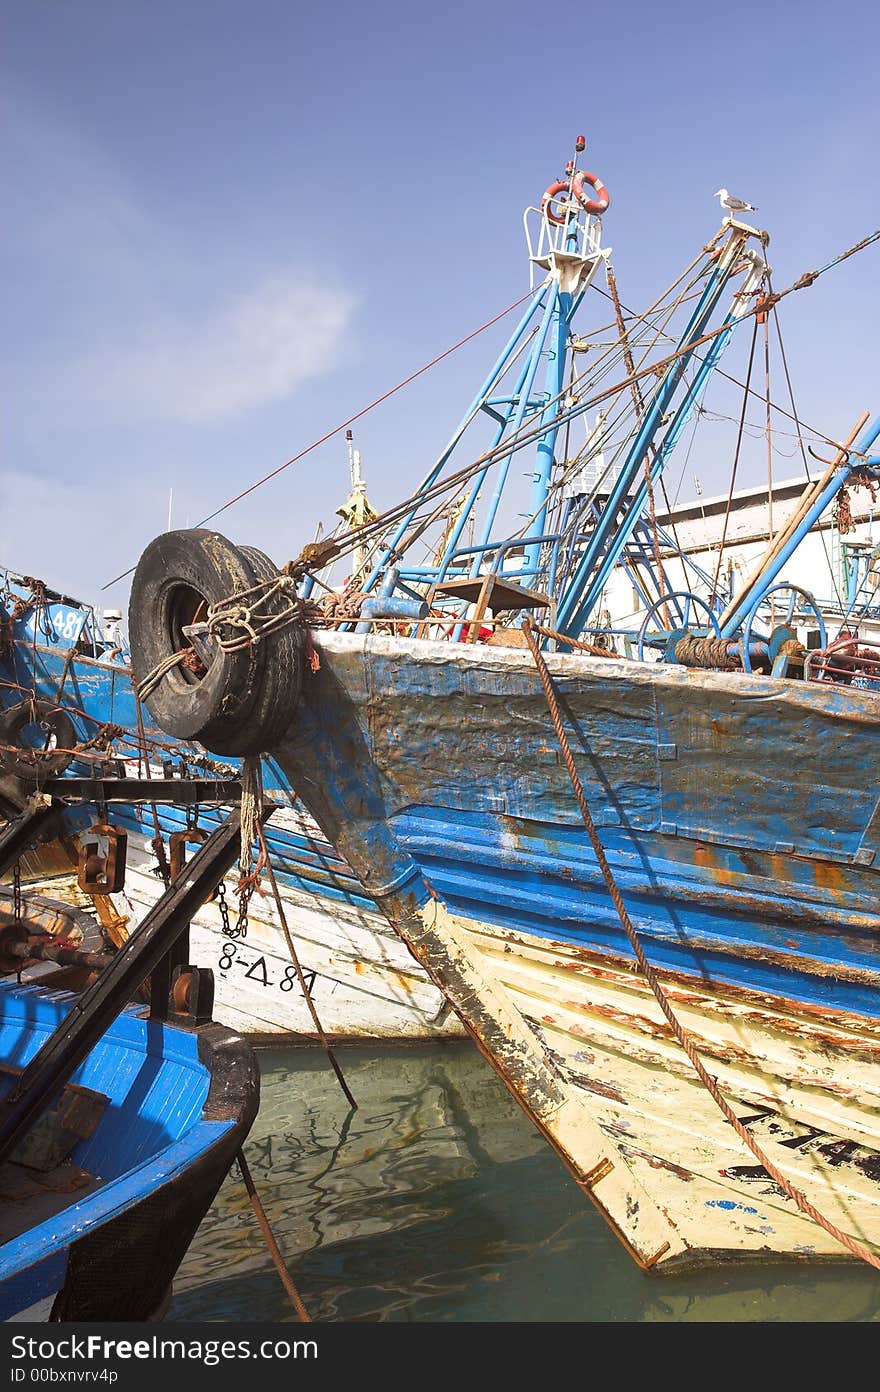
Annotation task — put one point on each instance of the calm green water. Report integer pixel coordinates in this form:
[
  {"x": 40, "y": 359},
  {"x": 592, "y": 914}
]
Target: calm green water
[{"x": 438, "y": 1200}]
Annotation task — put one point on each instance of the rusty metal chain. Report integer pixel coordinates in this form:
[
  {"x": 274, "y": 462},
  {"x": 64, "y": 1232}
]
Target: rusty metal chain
[
  {"x": 18, "y": 926},
  {"x": 244, "y": 899},
  {"x": 158, "y": 847},
  {"x": 16, "y": 893},
  {"x": 227, "y": 929}
]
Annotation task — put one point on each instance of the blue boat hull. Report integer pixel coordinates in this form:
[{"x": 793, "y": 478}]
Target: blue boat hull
[
  {"x": 750, "y": 879},
  {"x": 750, "y": 876},
  {"x": 180, "y": 1103}
]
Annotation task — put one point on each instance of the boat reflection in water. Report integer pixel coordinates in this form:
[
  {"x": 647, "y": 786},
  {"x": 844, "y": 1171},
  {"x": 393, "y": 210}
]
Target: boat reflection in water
[{"x": 438, "y": 1200}]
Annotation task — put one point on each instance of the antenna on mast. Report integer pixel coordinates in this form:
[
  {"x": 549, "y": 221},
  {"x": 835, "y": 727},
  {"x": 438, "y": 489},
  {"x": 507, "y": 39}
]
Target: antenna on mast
[{"x": 357, "y": 510}]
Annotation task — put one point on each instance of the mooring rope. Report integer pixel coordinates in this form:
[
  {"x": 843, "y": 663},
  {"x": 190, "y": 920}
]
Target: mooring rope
[
  {"x": 592, "y": 648},
  {"x": 269, "y": 1237},
  {"x": 803, "y": 1203},
  {"x": 325, "y": 1043}
]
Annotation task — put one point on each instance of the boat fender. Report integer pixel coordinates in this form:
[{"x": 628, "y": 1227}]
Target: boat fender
[
  {"x": 233, "y": 702},
  {"x": 598, "y": 205},
  {"x": 553, "y": 191},
  {"x": 55, "y": 723},
  {"x": 278, "y": 691}
]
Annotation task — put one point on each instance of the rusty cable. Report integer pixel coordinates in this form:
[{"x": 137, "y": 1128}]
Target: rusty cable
[
  {"x": 788, "y": 384},
  {"x": 803, "y": 1203},
  {"x": 708, "y": 652},
  {"x": 325, "y": 1043},
  {"x": 592, "y": 648},
  {"x": 739, "y": 438},
  {"x": 274, "y": 1249},
  {"x": 357, "y": 416},
  {"x": 765, "y": 320}
]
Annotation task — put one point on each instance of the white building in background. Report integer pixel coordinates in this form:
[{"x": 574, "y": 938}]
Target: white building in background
[{"x": 833, "y": 566}]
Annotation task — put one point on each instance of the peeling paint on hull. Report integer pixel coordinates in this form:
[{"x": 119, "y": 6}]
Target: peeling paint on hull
[
  {"x": 749, "y": 877},
  {"x": 747, "y": 863}
]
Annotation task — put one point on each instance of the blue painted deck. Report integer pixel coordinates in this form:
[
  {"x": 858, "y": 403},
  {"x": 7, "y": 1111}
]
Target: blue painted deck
[{"x": 152, "y": 1130}]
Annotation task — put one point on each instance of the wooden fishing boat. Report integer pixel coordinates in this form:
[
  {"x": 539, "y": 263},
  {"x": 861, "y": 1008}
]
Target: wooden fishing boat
[
  {"x": 118, "y": 1122},
  {"x": 766, "y": 949},
  {"x": 646, "y": 888},
  {"x": 99, "y": 1206}
]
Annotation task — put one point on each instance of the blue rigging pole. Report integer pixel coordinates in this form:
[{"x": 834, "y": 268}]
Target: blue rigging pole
[{"x": 627, "y": 498}]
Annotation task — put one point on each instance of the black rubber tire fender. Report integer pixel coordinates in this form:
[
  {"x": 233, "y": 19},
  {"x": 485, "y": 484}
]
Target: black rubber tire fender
[
  {"x": 177, "y": 573},
  {"x": 35, "y": 710},
  {"x": 276, "y": 698}
]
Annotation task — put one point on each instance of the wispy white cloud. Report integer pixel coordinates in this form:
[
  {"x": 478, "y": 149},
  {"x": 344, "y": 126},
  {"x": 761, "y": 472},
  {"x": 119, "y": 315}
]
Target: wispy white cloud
[
  {"x": 122, "y": 320},
  {"x": 51, "y": 527},
  {"x": 257, "y": 348}
]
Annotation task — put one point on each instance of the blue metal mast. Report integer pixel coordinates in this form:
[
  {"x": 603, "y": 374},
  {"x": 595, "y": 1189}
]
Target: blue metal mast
[
  {"x": 626, "y": 501},
  {"x": 564, "y": 240}
]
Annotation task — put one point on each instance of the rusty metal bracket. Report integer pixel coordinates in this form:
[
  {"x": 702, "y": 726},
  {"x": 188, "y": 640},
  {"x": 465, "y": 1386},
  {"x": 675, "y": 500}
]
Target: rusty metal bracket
[
  {"x": 103, "y": 874},
  {"x": 177, "y": 847},
  {"x": 598, "y": 1172}
]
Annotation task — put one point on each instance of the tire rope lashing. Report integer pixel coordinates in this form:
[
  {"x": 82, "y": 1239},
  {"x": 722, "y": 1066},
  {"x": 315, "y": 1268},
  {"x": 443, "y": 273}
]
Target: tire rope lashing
[
  {"x": 856, "y": 1248},
  {"x": 239, "y": 621}
]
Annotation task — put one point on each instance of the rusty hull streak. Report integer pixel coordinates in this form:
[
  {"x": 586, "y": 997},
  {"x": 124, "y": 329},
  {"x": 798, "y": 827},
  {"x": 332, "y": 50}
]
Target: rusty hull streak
[
  {"x": 656, "y": 1162},
  {"x": 762, "y": 876},
  {"x": 679, "y": 989}
]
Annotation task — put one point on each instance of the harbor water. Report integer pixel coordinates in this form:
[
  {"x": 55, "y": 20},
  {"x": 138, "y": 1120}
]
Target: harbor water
[{"x": 437, "y": 1200}]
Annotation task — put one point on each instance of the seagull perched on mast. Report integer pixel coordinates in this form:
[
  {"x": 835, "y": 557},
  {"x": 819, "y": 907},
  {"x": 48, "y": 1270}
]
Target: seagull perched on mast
[{"x": 734, "y": 205}]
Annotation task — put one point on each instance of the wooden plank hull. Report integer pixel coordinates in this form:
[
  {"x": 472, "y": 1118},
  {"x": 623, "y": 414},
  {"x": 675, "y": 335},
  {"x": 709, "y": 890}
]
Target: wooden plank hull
[
  {"x": 741, "y": 819},
  {"x": 363, "y": 981}
]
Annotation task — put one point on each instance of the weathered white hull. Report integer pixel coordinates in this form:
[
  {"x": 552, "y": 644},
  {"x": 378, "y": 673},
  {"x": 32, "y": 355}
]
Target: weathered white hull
[
  {"x": 364, "y": 982},
  {"x": 806, "y": 1089},
  {"x": 754, "y": 895}
]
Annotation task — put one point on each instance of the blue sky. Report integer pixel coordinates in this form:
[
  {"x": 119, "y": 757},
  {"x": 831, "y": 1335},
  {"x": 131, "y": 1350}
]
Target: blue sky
[{"x": 228, "y": 225}]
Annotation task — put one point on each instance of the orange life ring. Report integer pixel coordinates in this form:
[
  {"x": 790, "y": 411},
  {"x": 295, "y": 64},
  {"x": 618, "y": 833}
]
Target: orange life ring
[
  {"x": 560, "y": 186},
  {"x": 598, "y": 205}
]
